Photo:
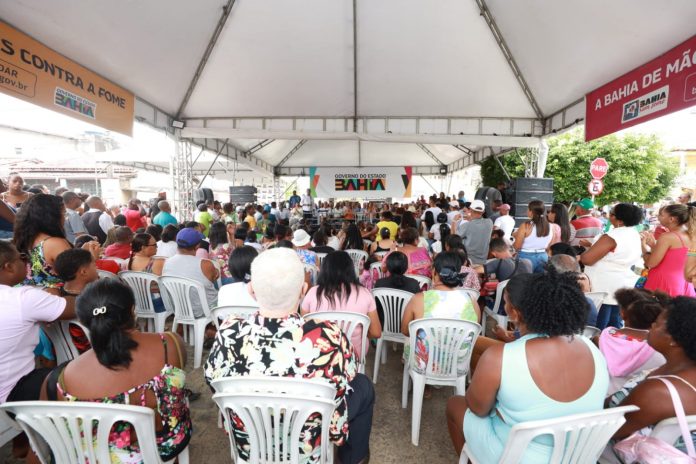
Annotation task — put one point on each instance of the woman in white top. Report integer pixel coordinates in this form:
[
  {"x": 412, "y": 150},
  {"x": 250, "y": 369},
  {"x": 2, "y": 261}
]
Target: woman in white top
[
  {"x": 237, "y": 293},
  {"x": 166, "y": 247},
  {"x": 533, "y": 237},
  {"x": 609, "y": 260}
]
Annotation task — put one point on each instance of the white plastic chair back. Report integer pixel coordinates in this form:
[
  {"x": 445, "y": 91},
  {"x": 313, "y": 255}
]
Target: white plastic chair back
[
  {"x": 274, "y": 411},
  {"x": 179, "y": 293},
  {"x": 320, "y": 258},
  {"x": 425, "y": 283},
  {"x": 590, "y": 331},
  {"x": 221, "y": 313},
  {"x": 359, "y": 257},
  {"x": 668, "y": 430},
  {"x": 347, "y": 322},
  {"x": 141, "y": 284},
  {"x": 106, "y": 274},
  {"x": 393, "y": 303},
  {"x": 218, "y": 268},
  {"x": 8, "y": 428},
  {"x": 493, "y": 312},
  {"x": 60, "y": 426},
  {"x": 597, "y": 298},
  {"x": 446, "y": 339},
  {"x": 377, "y": 268},
  {"x": 313, "y": 273},
  {"x": 380, "y": 254},
  {"x": 577, "y": 439}
]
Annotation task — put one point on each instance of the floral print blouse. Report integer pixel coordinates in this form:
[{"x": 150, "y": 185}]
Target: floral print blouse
[
  {"x": 286, "y": 347},
  {"x": 221, "y": 254},
  {"x": 39, "y": 272}
]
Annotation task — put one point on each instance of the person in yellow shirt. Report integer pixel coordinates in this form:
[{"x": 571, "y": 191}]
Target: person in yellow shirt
[
  {"x": 250, "y": 217},
  {"x": 387, "y": 221}
]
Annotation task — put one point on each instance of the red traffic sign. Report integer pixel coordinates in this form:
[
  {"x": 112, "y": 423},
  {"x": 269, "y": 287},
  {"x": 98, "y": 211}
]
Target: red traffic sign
[
  {"x": 599, "y": 168},
  {"x": 595, "y": 187}
]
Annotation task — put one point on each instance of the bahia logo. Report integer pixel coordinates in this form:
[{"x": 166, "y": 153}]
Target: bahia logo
[
  {"x": 630, "y": 111},
  {"x": 76, "y": 103},
  {"x": 644, "y": 105}
]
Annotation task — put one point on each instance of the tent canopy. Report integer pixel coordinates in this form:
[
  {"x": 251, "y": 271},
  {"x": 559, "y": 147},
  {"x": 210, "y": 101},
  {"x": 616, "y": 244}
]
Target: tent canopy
[{"x": 359, "y": 82}]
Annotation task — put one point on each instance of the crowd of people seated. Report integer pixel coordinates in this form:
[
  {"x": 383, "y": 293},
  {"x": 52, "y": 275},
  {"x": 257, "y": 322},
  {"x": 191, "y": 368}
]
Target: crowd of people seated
[{"x": 451, "y": 255}]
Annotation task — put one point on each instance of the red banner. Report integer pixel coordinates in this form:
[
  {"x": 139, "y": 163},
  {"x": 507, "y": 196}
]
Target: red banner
[{"x": 659, "y": 87}]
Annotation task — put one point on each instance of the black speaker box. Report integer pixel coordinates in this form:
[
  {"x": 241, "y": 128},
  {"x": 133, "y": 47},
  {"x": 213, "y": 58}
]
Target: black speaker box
[
  {"x": 243, "y": 190},
  {"x": 527, "y": 189},
  {"x": 239, "y": 199}
]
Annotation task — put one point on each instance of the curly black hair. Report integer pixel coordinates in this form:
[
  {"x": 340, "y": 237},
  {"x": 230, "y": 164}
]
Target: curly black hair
[
  {"x": 554, "y": 305},
  {"x": 41, "y": 213},
  {"x": 629, "y": 214},
  {"x": 642, "y": 313},
  {"x": 681, "y": 324}
]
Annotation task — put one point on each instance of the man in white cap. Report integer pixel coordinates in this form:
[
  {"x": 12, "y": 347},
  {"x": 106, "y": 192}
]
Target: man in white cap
[
  {"x": 476, "y": 233},
  {"x": 454, "y": 214},
  {"x": 302, "y": 241},
  {"x": 505, "y": 222}
]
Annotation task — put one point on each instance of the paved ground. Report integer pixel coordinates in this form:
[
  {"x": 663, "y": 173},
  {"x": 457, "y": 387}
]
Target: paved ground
[{"x": 391, "y": 429}]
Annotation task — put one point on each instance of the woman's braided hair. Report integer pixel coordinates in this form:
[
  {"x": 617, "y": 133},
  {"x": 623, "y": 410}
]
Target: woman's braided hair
[{"x": 554, "y": 305}]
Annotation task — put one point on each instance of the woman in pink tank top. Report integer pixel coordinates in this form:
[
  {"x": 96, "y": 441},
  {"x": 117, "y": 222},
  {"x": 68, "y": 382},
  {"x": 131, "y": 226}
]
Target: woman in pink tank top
[{"x": 667, "y": 256}]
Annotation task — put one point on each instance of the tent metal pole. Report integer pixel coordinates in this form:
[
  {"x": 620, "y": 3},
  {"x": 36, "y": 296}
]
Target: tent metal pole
[
  {"x": 206, "y": 55},
  {"x": 430, "y": 154},
  {"x": 493, "y": 26},
  {"x": 291, "y": 153},
  {"x": 429, "y": 184},
  {"x": 217, "y": 155},
  {"x": 355, "y": 68}
]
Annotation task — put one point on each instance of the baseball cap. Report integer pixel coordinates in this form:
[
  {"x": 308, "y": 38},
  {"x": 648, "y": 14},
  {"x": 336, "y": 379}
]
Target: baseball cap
[
  {"x": 586, "y": 203},
  {"x": 477, "y": 205},
  {"x": 411, "y": 209},
  {"x": 189, "y": 237},
  {"x": 454, "y": 204},
  {"x": 300, "y": 238},
  {"x": 504, "y": 206}
]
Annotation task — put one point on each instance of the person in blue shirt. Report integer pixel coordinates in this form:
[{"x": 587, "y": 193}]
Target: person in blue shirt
[
  {"x": 164, "y": 217},
  {"x": 294, "y": 199}
]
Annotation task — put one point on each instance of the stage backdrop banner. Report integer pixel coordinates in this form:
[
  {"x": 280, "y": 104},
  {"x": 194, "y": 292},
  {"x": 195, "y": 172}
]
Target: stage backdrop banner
[
  {"x": 33, "y": 72},
  {"x": 661, "y": 86},
  {"x": 369, "y": 183}
]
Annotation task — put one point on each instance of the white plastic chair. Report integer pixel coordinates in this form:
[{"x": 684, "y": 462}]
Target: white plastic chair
[
  {"x": 590, "y": 331},
  {"x": 359, "y": 257},
  {"x": 59, "y": 334},
  {"x": 577, "y": 439},
  {"x": 106, "y": 274},
  {"x": 448, "y": 341},
  {"x": 320, "y": 258},
  {"x": 179, "y": 293},
  {"x": 380, "y": 254},
  {"x": 493, "y": 312},
  {"x": 347, "y": 322},
  {"x": 55, "y": 427},
  {"x": 597, "y": 298},
  {"x": 274, "y": 411},
  {"x": 220, "y": 313},
  {"x": 393, "y": 303},
  {"x": 141, "y": 284},
  {"x": 425, "y": 283},
  {"x": 8, "y": 428},
  {"x": 668, "y": 430},
  {"x": 377, "y": 267}
]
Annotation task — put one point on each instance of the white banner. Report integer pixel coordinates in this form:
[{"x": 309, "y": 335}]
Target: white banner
[{"x": 367, "y": 183}]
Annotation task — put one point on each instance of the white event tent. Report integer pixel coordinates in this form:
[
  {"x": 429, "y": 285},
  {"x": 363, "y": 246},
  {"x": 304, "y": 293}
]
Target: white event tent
[{"x": 280, "y": 86}]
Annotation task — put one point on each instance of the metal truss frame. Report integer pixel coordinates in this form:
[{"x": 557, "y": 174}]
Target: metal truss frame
[
  {"x": 183, "y": 180},
  {"x": 304, "y": 171}
]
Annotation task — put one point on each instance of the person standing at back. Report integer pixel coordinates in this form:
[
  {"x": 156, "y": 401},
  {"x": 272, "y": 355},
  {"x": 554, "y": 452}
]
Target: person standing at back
[
  {"x": 135, "y": 215},
  {"x": 204, "y": 218},
  {"x": 74, "y": 227},
  {"x": 164, "y": 217},
  {"x": 476, "y": 233},
  {"x": 294, "y": 199},
  {"x": 307, "y": 204},
  {"x": 97, "y": 221},
  {"x": 505, "y": 222},
  {"x": 586, "y": 226}
]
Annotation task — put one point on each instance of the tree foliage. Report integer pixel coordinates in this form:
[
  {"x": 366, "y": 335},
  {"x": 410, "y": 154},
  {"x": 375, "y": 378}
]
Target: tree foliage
[{"x": 639, "y": 169}]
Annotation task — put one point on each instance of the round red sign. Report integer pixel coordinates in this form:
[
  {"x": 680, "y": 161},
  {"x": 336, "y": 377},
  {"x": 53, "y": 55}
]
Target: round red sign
[{"x": 599, "y": 168}]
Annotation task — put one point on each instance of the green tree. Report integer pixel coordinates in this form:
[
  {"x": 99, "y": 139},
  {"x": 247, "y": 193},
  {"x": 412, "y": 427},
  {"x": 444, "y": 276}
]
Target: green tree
[{"x": 639, "y": 169}]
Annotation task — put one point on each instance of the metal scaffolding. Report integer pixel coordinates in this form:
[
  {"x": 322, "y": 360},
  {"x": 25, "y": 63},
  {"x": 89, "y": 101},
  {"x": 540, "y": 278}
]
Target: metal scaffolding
[{"x": 183, "y": 180}]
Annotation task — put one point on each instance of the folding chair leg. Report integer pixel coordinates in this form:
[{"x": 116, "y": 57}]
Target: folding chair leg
[
  {"x": 404, "y": 387},
  {"x": 417, "y": 406},
  {"x": 159, "y": 322},
  {"x": 378, "y": 357},
  {"x": 461, "y": 385},
  {"x": 199, "y": 333}
]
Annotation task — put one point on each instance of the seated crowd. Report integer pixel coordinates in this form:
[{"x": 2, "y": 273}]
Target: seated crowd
[{"x": 451, "y": 255}]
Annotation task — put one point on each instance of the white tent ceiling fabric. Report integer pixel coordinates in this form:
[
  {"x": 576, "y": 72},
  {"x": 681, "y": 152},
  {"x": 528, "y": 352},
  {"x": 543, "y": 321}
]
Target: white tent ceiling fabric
[{"x": 287, "y": 59}]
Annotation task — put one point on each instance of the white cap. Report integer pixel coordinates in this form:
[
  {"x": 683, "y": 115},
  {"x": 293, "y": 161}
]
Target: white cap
[
  {"x": 300, "y": 238},
  {"x": 477, "y": 205}
]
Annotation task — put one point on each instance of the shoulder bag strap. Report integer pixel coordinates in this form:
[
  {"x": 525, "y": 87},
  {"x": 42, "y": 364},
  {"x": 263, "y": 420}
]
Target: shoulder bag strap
[
  {"x": 173, "y": 338},
  {"x": 681, "y": 416},
  {"x": 52, "y": 382}
]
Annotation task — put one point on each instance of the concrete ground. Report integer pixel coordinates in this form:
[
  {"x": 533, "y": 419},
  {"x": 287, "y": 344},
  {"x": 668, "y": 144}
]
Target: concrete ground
[{"x": 391, "y": 427}]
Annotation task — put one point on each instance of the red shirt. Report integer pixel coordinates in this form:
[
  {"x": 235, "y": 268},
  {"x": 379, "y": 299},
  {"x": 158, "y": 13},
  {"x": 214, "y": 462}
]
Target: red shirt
[
  {"x": 108, "y": 265},
  {"x": 134, "y": 220},
  {"x": 118, "y": 250}
]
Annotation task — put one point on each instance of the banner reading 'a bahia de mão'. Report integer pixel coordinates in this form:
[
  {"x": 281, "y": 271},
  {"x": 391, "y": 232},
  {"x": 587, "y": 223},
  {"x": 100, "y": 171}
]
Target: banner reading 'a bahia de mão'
[{"x": 368, "y": 183}]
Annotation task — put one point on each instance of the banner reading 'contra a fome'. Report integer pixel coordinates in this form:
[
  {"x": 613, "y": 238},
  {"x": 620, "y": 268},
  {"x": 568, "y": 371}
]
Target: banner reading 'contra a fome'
[
  {"x": 368, "y": 183},
  {"x": 33, "y": 72}
]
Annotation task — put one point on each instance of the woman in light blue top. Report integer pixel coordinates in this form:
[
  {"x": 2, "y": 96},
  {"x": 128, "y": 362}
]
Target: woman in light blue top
[{"x": 547, "y": 373}]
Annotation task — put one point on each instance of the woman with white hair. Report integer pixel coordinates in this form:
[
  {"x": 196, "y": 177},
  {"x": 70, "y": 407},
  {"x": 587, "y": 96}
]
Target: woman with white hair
[{"x": 277, "y": 341}]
